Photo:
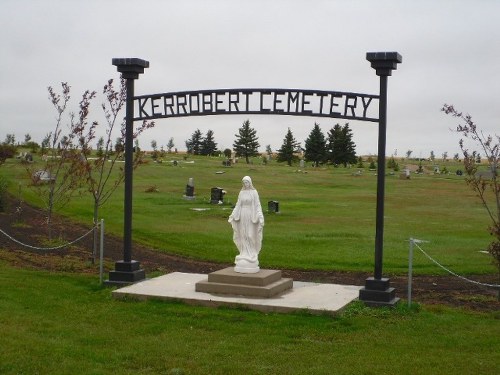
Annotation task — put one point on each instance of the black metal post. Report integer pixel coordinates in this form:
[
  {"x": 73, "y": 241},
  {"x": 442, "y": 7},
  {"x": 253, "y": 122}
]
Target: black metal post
[
  {"x": 128, "y": 271},
  {"x": 377, "y": 291},
  {"x": 129, "y": 160},
  {"x": 382, "y": 131}
]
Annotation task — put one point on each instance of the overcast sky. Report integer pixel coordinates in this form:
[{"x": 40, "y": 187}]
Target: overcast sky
[{"x": 450, "y": 51}]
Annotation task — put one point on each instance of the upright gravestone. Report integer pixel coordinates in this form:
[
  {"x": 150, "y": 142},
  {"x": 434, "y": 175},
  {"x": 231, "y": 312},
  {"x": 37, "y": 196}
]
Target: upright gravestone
[
  {"x": 189, "y": 189},
  {"x": 273, "y": 206},
  {"x": 217, "y": 195},
  {"x": 301, "y": 163}
]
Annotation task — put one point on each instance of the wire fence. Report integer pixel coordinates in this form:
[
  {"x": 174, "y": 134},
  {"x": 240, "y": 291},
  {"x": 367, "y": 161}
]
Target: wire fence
[
  {"x": 101, "y": 252},
  {"x": 49, "y": 248},
  {"x": 415, "y": 242}
]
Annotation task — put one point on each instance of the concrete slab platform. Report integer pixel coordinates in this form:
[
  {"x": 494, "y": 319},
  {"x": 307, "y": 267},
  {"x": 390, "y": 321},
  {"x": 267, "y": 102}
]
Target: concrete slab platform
[{"x": 311, "y": 297}]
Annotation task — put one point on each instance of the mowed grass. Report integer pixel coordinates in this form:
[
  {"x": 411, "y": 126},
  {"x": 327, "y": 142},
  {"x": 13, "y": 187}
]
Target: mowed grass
[
  {"x": 66, "y": 324},
  {"x": 327, "y": 218}
]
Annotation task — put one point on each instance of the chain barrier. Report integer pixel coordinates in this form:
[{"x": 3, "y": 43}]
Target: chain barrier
[
  {"x": 49, "y": 248},
  {"x": 451, "y": 272}
]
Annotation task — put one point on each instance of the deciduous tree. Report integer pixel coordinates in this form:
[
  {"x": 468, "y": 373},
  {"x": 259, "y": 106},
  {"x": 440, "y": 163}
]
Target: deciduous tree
[
  {"x": 487, "y": 186},
  {"x": 62, "y": 174},
  {"x": 100, "y": 180}
]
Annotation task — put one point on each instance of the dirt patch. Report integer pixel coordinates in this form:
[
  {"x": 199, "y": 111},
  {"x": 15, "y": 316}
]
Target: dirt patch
[{"x": 28, "y": 225}]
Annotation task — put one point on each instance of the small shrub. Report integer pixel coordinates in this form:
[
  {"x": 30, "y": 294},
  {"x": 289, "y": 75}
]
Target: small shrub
[
  {"x": 152, "y": 189},
  {"x": 360, "y": 163}
]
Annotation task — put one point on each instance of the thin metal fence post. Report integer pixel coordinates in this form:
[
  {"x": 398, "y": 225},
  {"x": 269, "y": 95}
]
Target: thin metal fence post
[
  {"x": 410, "y": 270},
  {"x": 101, "y": 252}
]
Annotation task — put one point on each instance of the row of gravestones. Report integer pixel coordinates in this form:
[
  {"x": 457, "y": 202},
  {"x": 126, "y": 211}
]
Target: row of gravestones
[{"x": 217, "y": 196}]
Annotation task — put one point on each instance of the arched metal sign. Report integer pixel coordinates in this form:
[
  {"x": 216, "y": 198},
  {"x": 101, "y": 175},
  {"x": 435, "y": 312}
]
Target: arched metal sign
[{"x": 293, "y": 102}]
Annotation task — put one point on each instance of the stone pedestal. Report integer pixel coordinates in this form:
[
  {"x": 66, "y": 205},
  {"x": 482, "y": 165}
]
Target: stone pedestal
[{"x": 263, "y": 284}]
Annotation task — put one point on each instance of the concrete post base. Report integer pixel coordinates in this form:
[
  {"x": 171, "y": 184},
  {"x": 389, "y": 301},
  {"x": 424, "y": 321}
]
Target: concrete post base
[
  {"x": 126, "y": 273},
  {"x": 377, "y": 292}
]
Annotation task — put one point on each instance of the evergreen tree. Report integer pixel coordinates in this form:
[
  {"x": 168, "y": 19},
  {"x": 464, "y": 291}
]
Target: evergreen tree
[
  {"x": 119, "y": 145},
  {"x": 45, "y": 144},
  {"x": 333, "y": 146},
  {"x": 208, "y": 145},
  {"x": 289, "y": 148},
  {"x": 269, "y": 151},
  {"x": 341, "y": 148},
  {"x": 316, "y": 146},
  {"x": 246, "y": 142},
  {"x": 100, "y": 147},
  {"x": 10, "y": 139},
  {"x": 193, "y": 145},
  {"x": 170, "y": 145},
  {"x": 348, "y": 146},
  {"x": 154, "y": 146},
  {"x": 360, "y": 162}
]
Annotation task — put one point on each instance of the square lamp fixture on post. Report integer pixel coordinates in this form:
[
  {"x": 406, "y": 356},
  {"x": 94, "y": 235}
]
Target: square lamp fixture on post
[
  {"x": 128, "y": 271},
  {"x": 377, "y": 290}
]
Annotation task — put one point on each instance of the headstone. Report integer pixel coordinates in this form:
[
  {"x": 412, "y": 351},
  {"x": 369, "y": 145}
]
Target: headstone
[
  {"x": 301, "y": 163},
  {"x": 273, "y": 206},
  {"x": 217, "y": 195},
  {"x": 405, "y": 175},
  {"x": 189, "y": 189},
  {"x": 43, "y": 176}
]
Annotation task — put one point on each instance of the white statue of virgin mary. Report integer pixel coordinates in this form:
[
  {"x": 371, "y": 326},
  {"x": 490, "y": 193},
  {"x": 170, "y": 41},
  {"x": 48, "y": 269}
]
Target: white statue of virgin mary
[{"x": 247, "y": 221}]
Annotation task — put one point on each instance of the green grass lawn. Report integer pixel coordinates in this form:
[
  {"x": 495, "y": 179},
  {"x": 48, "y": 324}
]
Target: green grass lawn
[
  {"x": 327, "y": 218},
  {"x": 67, "y": 324}
]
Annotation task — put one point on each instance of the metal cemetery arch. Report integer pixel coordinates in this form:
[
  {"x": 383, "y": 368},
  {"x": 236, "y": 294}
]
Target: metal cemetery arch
[{"x": 294, "y": 102}]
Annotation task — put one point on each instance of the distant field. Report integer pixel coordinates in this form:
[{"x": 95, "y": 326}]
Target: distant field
[{"x": 327, "y": 218}]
